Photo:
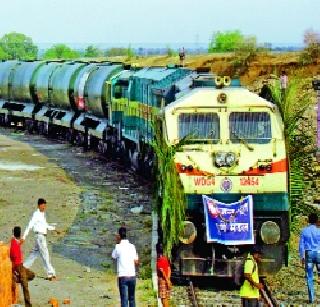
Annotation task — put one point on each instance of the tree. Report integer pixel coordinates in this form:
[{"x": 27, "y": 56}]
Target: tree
[
  {"x": 245, "y": 52},
  {"x": 311, "y": 38},
  {"x": 170, "y": 51},
  {"x": 18, "y": 46},
  {"x": 225, "y": 41},
  {"x": 92, "y": 52},
  {"x": 116, "y": 51},
  {"x": 61, "y": 51},
  {"x": 3, "y": 54},
  {"x": 311, "y": 52},
  {"x": 130, "y": 52},
  {"x": 119, "y": 51}
]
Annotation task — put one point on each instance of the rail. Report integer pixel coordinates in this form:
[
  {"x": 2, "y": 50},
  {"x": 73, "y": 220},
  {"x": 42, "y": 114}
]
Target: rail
[
  {"x": 192, "y": 295},
  {"x": 266, "y": 294}
]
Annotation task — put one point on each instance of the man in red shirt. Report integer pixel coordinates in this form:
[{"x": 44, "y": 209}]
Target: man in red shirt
[
  {"x": 20, "y": 274},
  {"x": 164, "y": 274}
]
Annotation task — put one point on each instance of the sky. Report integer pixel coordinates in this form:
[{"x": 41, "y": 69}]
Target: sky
[{"x": 157, "y": 21}]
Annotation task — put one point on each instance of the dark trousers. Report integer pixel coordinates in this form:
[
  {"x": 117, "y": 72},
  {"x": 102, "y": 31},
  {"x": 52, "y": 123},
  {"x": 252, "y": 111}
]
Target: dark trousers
[
  {"x": 127, "y": 287},
  {"x": 249, "y": 302},
  {"x": 22, "y": 275}
]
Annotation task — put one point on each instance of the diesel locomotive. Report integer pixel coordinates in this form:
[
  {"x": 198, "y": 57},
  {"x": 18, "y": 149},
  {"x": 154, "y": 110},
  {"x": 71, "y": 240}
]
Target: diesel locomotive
[{"x": 235, "y": 140}]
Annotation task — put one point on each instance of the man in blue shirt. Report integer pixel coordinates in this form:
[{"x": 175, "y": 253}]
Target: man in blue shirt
[{"x": 309, "y": 250}]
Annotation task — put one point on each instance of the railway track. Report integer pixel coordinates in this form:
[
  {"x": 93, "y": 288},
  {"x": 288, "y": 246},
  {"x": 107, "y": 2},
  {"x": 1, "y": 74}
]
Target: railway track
[{"x": 194, "y": 295}]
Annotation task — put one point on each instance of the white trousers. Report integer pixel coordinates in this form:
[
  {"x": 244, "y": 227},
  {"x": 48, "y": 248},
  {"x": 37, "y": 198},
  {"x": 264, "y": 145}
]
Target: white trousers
[{"x": 40, "y": 249}]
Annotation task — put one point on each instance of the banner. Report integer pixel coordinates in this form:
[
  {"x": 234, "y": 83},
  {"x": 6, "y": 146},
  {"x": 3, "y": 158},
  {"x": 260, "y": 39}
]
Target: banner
[{"x": 229, "y": 224}]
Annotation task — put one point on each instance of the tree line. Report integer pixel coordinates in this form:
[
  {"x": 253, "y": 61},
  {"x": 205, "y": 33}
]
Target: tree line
[
  {"x": 18, "y": 46},
  {"x": 21, "y": 47}
]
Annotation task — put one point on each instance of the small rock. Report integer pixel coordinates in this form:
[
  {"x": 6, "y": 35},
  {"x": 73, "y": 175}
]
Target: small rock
[
  {"x": 137, "y": 210},
  {"x": 105, "y": 296}
]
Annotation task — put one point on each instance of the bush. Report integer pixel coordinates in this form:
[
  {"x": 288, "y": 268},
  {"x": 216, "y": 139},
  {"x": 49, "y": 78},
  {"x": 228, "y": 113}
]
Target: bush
[
  {"x": 312, "y": 49},
  {"x": 225, "y": 41},
  {"x": 244, "y": 53},
  {"x": 92, "y": 52},
  {"x": 61, "y": 51},
  {"x": 293, "y": 108}
]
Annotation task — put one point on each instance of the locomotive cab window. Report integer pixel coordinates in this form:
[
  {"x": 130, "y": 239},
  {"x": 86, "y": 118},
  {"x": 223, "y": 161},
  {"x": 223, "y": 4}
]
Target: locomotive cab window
[
  {"x": 252, "y": 127},
  {"x": 117, "y": 91},
  {"x": 199, "y": 127}
]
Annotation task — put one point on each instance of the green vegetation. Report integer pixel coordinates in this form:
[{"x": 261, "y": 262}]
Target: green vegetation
[
  {"x": 171, "y": 201},
  {"x": 171, "y": 52},
  {"x": 148, "y": 296},
  {"x": 293, "y": 107},
  {"x": 128, "y": 52},
  {"x": 116, "y": 52},
  {"x": 145, "y": 272},
  {"x": 225, "y": 41},
  {"x": 60, "y": 51},
  {"x": 3, "y": 54},
  {"x": 245, "y": 52},
  {"x": 17, "y": 46},
  {"x": 244, "y": 48},
  {"x": 92, "y": 52}
]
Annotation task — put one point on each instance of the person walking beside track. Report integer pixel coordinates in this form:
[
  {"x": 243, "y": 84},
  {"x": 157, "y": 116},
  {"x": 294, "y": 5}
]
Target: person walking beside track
[
  {"x": 249, "y": 291},
  {"x": 283, "y": 84},
  {"x": 20, "y": 274},
  {"x": 127, "y": 258},
  {"x": 40, "y": 227},
  {"x": 309, "y": 251}
]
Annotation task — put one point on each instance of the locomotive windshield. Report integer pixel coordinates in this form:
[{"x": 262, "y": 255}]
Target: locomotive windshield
[
  {"x": 252, "y": 127},
  {"x": 199, "y": 127}
]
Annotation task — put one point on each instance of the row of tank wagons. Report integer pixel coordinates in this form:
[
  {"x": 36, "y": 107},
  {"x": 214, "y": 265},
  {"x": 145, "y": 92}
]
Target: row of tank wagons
[{"x": 81, "y": 99}]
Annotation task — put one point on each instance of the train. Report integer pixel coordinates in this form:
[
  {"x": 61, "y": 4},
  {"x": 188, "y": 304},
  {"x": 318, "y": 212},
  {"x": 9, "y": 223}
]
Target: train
[{"x": 236, "y": 145}]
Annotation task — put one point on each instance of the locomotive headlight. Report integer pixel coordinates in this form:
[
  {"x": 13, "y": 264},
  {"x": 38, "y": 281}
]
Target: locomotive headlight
[
  {"x": 188, "y": 233},
  {"x": 225, "y": 159},
  {"x": 183, "y": 168},
  {"x": 230, "y": 159},
  {"x": 270, "y": 232},
  {"x": 220, "y": 159}
]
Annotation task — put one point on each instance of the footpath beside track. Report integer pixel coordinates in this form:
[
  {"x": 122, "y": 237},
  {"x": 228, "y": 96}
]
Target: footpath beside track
[{"x": 88, "y": 197}]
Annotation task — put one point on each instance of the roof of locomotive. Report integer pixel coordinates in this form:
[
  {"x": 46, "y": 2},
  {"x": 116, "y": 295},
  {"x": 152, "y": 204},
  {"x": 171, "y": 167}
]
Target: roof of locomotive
[
  {"x": 157, "y": 73},
  {"x": 208, "y": 97}
]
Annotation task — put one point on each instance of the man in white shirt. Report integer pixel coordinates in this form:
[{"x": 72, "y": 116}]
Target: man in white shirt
[
  {"x": 127, "y": 258},
  {"x": 39, "y": 225}
]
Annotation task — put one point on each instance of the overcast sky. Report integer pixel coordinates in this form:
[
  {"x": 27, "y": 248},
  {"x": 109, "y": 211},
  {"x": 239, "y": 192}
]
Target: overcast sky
[{"x": 157, "y": 21}]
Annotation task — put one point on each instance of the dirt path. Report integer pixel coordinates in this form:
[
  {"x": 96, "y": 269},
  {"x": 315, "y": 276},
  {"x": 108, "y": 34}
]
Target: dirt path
[{"x": 88, "y": 199}]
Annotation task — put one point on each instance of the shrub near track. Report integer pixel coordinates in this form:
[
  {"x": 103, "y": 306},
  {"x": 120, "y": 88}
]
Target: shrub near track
[
  {"x": 169, "y": 195},
  {"x": 300, "y": 140}
]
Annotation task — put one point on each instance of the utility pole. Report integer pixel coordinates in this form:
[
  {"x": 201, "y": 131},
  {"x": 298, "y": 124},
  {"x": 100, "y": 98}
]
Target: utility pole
[{"x": 316, "y": 87}]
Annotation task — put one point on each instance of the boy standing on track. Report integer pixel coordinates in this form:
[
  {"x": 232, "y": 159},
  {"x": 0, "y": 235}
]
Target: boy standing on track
[
  {"x": 164, "y": 274},
  {"x": 249, "y": 291}
]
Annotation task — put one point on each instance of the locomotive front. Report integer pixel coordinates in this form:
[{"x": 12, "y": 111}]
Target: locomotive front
[{"x": 232, "y": 146}]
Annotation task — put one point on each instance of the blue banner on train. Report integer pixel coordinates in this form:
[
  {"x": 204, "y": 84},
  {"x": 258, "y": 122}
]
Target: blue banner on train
[{"x": 229, "y": 224}]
